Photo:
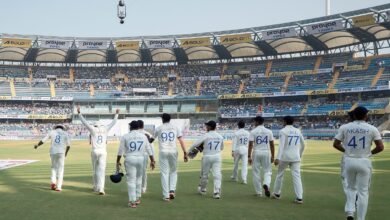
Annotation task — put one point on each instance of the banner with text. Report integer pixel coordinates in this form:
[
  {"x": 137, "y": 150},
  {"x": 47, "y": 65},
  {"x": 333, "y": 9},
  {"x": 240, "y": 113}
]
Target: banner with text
[
  {"x": 55, "y": 44},
  {"x": 155, "y": 44},
  {"x": 16, "y": 42},
  {"x": 324, "y": 27},
  {"x": 364, "y": 20},
  {"x": 127, "y": 45},
  {"x": 195, "y": 42},
  {"x": 93, "y": 45},
  {"x": 279, "y": 33},
  {"x": 236, "y": 38}
]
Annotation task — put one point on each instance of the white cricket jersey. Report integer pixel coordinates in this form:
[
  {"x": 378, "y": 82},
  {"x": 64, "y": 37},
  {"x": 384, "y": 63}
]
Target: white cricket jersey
[
  {"x": 134, "y": 143},
  {"x": 261, "y": 138},
  {"x": 147, "y": 134},
  {"x": 59, "y": 141},
  {"x": 291, "y": 144},
  {"x": 99, "y": 134},
  {"x": 357, "y": 138},
  {"x": 212, "y": 143},
  {"x": 241, "y": 141},
  {"x": 167, "y": 135}
]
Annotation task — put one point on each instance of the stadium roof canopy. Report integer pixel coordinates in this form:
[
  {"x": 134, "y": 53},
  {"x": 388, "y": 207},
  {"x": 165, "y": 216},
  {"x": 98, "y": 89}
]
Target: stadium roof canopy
[{"x": 366, "y": 30}]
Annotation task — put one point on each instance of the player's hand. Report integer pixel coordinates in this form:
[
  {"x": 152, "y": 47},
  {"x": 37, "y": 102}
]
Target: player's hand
[
  {"x": 117, "y": 111},
  {"x": 272, "y": 159},
  {"x": 276, "y": 162},
  {"x": 35, "y": 146},
  {"x": 250, "y": 160},
  {"x": 78, "y": 110},
  {"x": 152, "y": 164},
  {"x": 233, "y": 154},
  {"x": 185, "y": 157}
]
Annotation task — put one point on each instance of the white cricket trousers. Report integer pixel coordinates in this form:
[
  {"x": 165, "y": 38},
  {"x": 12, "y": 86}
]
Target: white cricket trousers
[
  {"x": 57, "y": 169},
  {"x": 261, "y": 161},
  {"x": 168, "y": 169},
  {"x": 358, "y": 171},
  {"x": 344, "y": 181},
  {"x": 213, "y": 163},
  {"x": 144, "y": 174},
  {"x": 239, "y": 156},
  {"x": 134, "y": 166},
  {"x": 99, "y": 161},
  {"x": 295, "y": 168}
]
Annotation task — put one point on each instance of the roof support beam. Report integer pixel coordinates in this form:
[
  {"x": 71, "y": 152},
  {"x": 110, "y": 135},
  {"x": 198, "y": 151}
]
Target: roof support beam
[{"x": 267, "y": 49}]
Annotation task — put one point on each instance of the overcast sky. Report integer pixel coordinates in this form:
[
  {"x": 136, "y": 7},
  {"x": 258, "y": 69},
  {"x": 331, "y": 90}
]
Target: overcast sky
[{"x": 97, "y": 18}]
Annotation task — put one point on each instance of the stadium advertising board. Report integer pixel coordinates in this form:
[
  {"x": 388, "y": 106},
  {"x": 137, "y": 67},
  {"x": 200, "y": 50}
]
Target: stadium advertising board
[
  {"x": 55, "y": 44},
  {"x": 300, "y": 72},
  {"x": 279, "y": 33},
  {"x": 364, "y": 20},
  {"x": 235, "y": 39},
  {"x": 322, "y": 92},
  {"x": 15, "y": 42},
  {"x": 92, "y": 45},
  {"x": 337, "y": 113},
  {"x": 40, "y": 117},
  {"x": 354, "y": 68},
  {"x": 324, "y": 27},
  {"x": 156, "y": 44},
  {"x": 144, "y": 90},
  {"x": 5, "y": 97},
  {"x": 325, "y": 70},
  {"x": 127, "y": 45},
  {"x": 195, "y": 42},
  {"x": 211, "y": 78}
]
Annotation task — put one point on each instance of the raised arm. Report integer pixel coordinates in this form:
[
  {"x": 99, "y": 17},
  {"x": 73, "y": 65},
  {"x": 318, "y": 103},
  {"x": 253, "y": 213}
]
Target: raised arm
[
  {"x": 85, "y": 123},
  {"x": 113, "y": 122}
]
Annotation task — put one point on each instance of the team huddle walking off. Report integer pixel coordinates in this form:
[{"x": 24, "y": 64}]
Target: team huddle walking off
[{"x": 256, "y": 148}]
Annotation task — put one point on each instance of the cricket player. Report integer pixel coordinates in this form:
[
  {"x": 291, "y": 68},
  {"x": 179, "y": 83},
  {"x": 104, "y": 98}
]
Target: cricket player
[
  {"x": 291, "y": 147},
  {"x": 98, "y": 140},
  {"x": 133, "y": 147},
  {"x": 212, "y": 143},
  {"x": 355, "y": 140},
  {"x": 240, "y": 152},
  {"x": 261, "y": 156},
  {"x": 60, "y": 145},
  {"x": 167, "y": 135},
  {"x": 151, "y": 140}
]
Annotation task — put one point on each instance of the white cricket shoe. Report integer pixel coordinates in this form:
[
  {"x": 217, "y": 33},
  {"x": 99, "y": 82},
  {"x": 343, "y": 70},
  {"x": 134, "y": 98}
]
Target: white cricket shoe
[{"x": 217, "y": 196}]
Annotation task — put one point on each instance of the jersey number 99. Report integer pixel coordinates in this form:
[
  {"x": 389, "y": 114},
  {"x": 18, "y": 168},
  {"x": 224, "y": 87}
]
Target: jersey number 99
[{"x": 170, "y": 136}]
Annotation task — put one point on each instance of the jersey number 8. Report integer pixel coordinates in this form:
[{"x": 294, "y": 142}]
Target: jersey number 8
[{"x": 57, "y": 140}]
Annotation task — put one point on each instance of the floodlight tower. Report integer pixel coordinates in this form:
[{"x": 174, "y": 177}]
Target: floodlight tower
[
  {"x": 327, "y": 7},
  {"x": 122, "y": 11}
]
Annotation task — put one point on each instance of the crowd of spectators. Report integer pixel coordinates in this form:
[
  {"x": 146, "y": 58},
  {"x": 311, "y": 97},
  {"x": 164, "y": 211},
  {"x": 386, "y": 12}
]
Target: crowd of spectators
[{"x": 54, "y": 108}]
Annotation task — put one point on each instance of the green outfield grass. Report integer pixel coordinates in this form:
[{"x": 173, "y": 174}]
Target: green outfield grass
[{"x": 25, "y": 194}]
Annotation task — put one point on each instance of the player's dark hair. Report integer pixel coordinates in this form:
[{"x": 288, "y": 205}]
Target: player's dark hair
[
  {"x": 60, "y": 127},
  {"x": 166, "y": 118},
  {"x": 241, "y": 124},
  {"x": 259, "y": 120},
  {"x": 134, "y": 125},
  {"x": 360, "y": 113},
  {"x": 289, "y": 120},
  {"x": 140, "y": 124}
]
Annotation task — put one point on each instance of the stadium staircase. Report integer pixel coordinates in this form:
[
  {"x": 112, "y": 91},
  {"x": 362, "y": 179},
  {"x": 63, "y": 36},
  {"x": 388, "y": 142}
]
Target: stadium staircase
[
  {"x": 52, "y": 89},
  {"x": 71, "y": 74},
  {"x": 12, "y": 87},
  {"x": 334, "y": 80},
  {"x": 91, "y": 90},
  {"x": 377, "y": 77},
  {"x": 242, "y": 87},
  {"x": 30, "y": 74},
  {"x": 223, "y": 69},
  {"x": 268, "y": 68},
  {"x": 367, "y": 62},
  {"x": 286, "y": 81},
  {"x": 304, "y": 110},
  {"x": 317, "y": 64},
  {"x": 198, "y": 87},
  {"x": 170, "y": 88}
]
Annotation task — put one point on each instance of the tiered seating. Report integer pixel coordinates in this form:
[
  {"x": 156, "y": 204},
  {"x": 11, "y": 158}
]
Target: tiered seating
[
  {"x": 309, "y": 82},
  {"x": 5, "y": 88},
  {"x": 294, "y": 64},
  {"x": 216, "y": 87},
  {"x": 264, "y": 85}
]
